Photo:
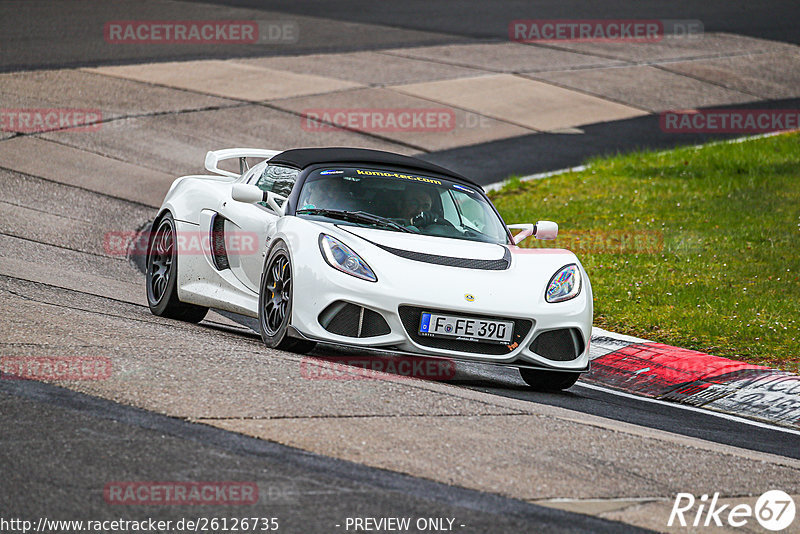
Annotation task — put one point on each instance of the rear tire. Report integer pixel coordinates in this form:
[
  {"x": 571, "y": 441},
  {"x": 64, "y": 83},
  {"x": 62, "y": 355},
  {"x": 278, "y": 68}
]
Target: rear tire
[
  {"x": 548, "y": 380},
  {"x": 275, "y": 303},
  {"x": 161, "y": 275}
]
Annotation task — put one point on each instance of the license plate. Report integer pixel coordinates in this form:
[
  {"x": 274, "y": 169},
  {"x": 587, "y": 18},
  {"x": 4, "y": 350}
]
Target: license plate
[{"x": 465, "y": 328}]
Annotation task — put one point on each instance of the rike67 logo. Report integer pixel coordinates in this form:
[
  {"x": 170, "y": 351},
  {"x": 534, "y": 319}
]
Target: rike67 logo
[{"x": 774, "y": 510}]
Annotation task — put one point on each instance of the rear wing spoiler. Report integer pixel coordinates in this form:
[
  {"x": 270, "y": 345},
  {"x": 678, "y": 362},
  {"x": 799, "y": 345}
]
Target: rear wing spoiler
[{"x": 214, "y": 157}]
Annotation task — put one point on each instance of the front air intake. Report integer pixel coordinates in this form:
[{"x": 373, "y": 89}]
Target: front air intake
[
  {"x": 350, "y": 320},
  {"x": 217, "y": 239},
  {"x": 562, "y": 345}
]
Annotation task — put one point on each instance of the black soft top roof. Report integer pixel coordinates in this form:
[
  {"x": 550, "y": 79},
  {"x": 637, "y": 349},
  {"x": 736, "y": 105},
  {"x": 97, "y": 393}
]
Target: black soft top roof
[{"x": 303, "y": 157}]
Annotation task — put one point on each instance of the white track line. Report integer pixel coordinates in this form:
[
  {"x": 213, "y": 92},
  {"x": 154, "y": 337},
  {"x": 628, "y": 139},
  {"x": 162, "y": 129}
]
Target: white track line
[
  {"x": 690, "y": 408},
  {"x": 537, "y": 176}
]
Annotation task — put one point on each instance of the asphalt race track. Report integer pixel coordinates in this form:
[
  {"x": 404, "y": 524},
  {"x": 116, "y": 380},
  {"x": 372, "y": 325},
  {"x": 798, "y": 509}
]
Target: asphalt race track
[
  {"x": 209, "y": 402},
  {"x": 118, "y": 440}
]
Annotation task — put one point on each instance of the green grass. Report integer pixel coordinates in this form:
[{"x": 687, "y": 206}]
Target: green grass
[{"x": 716, "y": 266}]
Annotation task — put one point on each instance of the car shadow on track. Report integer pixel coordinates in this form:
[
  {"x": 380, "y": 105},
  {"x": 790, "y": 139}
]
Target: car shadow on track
[{"x": 495, "y": 379}]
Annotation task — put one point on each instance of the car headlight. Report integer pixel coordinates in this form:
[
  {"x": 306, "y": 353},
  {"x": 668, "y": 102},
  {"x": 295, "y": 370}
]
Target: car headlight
[
  {"x": 339, "y": 256},
  {"x": 565, "y": 284}
]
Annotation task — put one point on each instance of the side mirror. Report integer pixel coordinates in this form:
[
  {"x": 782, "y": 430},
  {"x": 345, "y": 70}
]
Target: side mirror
[
  {"x": 527, "y": 231},
  {"x": 251, "y": 194},
  {"x": 247, "y": 193},
  {"x": 540, "y": 230},
  {"x": 545, "y": 230}
]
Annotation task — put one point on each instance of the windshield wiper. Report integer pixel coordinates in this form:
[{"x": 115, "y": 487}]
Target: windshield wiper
[{"x": 355, "y": 216}]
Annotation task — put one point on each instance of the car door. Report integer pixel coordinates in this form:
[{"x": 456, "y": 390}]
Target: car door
[{"x": 254, "y": 223}]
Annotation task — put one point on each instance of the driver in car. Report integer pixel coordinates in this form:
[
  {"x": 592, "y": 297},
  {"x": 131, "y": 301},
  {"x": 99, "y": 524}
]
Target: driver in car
[
  {"x": 416, "y": 208},
  {"x": 326, "y": 194}
]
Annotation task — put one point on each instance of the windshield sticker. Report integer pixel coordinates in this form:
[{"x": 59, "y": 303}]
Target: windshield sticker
[
  {"x": 462, "y": 188},
  {"x": 351, "y": 178},
  {"x": 332, "y": 172},
  {"x": 398, "y": 175}
]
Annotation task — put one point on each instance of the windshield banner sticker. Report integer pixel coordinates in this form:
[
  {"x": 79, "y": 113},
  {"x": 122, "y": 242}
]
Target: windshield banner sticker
[{"x": 398, "y": 175}]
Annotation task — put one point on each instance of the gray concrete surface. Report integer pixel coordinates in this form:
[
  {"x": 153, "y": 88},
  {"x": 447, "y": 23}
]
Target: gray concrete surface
[
  {"x": 708, "y": 45},
  {"x": 367, "y": 68},
  {"x": 646, "y": 87},
  {"x": 773, "y": 75},
  {"x": 239, "y": 81},
  {"x": 63, "y": 164},
  {"x": 461, "y": 127},
  {"x": 538, "y": 455},
  {"x": 112, "y": 96},
  {"x": 505, "y": 57},
  {"x": 103, "y": 443},
  {"x": 535, "y": 105},
  {"x": 184, "y": 138}
]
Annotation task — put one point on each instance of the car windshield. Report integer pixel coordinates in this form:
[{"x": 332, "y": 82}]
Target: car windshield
[{"x": 399, "y": 201}]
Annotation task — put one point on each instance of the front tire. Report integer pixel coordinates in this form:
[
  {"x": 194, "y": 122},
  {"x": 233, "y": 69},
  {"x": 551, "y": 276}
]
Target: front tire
[
  {"x": 548, "y": 380},
  {"x": 275, "y": 299},
  {"x": 161, "y": 275}
]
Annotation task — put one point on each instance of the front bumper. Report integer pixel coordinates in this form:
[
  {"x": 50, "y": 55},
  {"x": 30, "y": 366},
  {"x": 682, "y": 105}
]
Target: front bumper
[{"x": 404, "y": 284}]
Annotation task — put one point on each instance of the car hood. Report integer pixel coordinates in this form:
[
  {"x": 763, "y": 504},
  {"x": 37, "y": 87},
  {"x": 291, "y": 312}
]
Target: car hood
[
  {"x": 439, "y": 246},
  {"x": 500, "y": 290}
]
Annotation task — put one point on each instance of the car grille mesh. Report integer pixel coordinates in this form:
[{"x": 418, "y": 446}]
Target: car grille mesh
[
  {"x": 218, "y": 252},
  {"x": 465, "y": 263},
  {"x": 410, "y": 317},
  {"x": 562, "y": 345},
  {"x": 346, "y": 319}
]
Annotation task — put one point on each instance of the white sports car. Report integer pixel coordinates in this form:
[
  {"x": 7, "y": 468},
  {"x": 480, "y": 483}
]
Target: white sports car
[{"x": 369, "y": 249}]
